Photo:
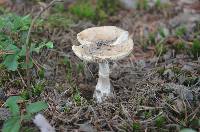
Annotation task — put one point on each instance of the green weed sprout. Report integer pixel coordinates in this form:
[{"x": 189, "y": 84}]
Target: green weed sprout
[
  {"x": 83, "y": 10},
  {"x": 196, "y": 48},
  {"x": 142, "y": 4},
  {"x": 13, "y": 123},
  {"x": 13, "y": 33}
]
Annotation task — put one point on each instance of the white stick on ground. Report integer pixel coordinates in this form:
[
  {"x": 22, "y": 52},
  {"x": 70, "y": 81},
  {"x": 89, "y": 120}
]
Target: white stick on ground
[{"x": 41, "y": 122}]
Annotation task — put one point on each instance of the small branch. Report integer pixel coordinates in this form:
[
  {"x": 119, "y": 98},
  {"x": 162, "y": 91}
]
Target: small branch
[
  {"x": 28, "y": 39},
  {"x": 21, "y": 78},
  {"x": 39, "y": 14}
]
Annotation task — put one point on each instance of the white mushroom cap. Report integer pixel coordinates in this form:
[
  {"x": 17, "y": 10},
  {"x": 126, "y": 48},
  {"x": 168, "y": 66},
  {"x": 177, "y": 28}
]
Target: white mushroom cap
[{"x": 96, "y": 44}]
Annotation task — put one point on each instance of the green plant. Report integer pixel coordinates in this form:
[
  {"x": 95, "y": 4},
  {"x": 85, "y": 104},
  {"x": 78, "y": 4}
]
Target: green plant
[
  {"x": 190, "y": 81},
  {"x": 38, "y": 88},
  {"x": 136, "y": 127},
  {"x": 161, "y": 5},
  {"x": 161, "y": 70},
  {"x": 13, "y": 123},
  {"x": 152, "y": 38},
  {"x": 41, "y": 73},
  {"x": 160, "y": 49},
  {"x": 83, "y": 9},
  {"x": 68, "y": 65},
  {"x": 181, "y": 31},
  {"x": 13, "y": 33},
  {"x": 180, "y": 46},
  {"x": 101, "y": 15},
  {"x": 161, "y": 32},
  {"x": 147, "y": 114},
  {"x": 77, "y": 98},
  {"x": 187, "y": 130},
  {"x": 176, "y": 70},
  {"x": 97, "y": 12},
  {"x": 195, "y": 123},
  {"x": 158, "y": 4},
  {"x": 142, "y": 4},
  {"x": 25, "y": 94},
  {"x": 58, "y": 8},
  {"x": 196, "y": 48},
  {"x": 59, "y": 20},
  {"x": 160, "y": 121},
  {"x": 145, "y": 45},
  {"x": 80, "y": 67},
  {"x": 107, "y": 6}
]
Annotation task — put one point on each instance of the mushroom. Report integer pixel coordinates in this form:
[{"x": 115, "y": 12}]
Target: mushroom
[{"x": 101, "y": 45}]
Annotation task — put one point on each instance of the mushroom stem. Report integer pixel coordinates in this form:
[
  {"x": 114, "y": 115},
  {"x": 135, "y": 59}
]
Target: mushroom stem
[{"x": 103, "y": 87}]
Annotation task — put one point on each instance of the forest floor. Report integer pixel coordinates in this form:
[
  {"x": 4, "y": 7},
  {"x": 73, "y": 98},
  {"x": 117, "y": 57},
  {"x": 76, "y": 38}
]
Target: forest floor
[{"x": 156, "y": 88}]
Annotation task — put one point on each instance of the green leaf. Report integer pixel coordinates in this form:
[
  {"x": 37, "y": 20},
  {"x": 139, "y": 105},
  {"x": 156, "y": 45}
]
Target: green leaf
[
  {"x": 11, "y": 46},
  {"x": 136, "y": 126},
  {"x": 161, "y": 32},
  {"x": 180, "y": 31},
  {"x": 160, "y": 121},
  {"x": 48, "y": 45},
  {"x": 11, "y": 102},
  {"x": 80, "y": 68},
  {"x": 36, "y": 107},
  {"x": 27, "y": 17},
  {"x": 12, "y": 125},
  {"x": 158, "y": 3},
  {"x": 27, "y": 116},
  {"x": 41, "y": 73},
  {"x": 11, "y": 62},
  {"x": 23, "y": 51},
  {"x": 83, "y": 10},
  {"x": 187, "y": 130}
]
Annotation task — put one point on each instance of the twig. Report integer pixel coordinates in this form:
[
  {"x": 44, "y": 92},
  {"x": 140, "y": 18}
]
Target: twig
[
  {"x": 35, "y": 63},
  {"x": 149, "y": 108},
  {"x": 163, "y": 40},
  {"x": 195, "y": 111},
  {"x": 127, "y": 115},
  {"x": 38, "y": 65},
  {"x": 108, "y": 122},
  {"x": 28, "y": 39},
  {"x": 60, "y": 52},
  {"x": 21, "y": 78},
  {"x": 152, "y": 119}
]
